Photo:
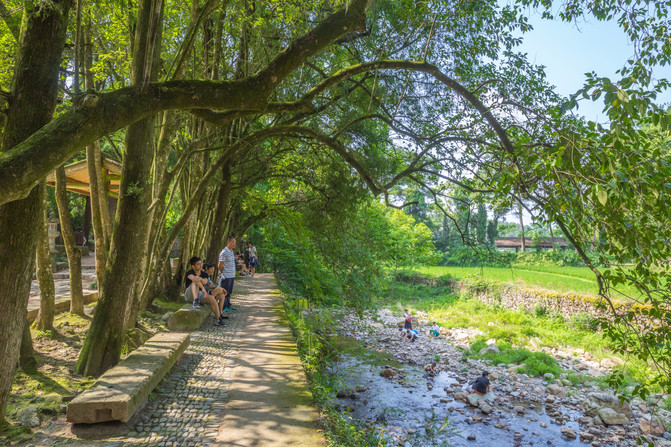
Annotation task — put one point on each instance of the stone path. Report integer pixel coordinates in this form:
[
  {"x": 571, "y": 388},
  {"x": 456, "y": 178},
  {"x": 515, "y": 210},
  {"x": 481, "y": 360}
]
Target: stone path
[
  {"x": 62, "y": 283},
  {"x": 242, "y": 385}
]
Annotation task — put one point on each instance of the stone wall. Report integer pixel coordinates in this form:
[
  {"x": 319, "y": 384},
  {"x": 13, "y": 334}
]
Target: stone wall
[{"x": 566, "y": 305}]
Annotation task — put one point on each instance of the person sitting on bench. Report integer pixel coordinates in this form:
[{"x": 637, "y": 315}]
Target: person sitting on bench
[{"x": 194, "y": 281}]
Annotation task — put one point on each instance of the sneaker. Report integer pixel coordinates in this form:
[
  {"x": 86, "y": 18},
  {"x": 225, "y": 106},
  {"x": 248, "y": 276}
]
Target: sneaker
[
  {"x": 232, "y": 308},
  {"x": 196, "y": 305},
  {"x": 218, "y": 322},
  {"x": 226, "y": 309},
  {"x": 223, "y": 317}
]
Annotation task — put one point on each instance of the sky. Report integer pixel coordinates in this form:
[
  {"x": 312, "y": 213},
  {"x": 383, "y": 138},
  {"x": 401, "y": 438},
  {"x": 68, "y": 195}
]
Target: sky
[{"x": 569, "y": 50}]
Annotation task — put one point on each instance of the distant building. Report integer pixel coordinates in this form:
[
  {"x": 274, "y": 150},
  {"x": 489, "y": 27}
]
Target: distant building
[{"x": 515, "y": 244}]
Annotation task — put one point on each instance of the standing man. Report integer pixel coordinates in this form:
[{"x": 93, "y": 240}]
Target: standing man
[
  {"x": 253, "y": 258},
  {"x": 227, "y": 267}
]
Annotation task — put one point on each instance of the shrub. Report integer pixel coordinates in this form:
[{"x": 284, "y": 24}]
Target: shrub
[
  {"x": 532, "y": 363},
  {"x": 539, "y": 363}
]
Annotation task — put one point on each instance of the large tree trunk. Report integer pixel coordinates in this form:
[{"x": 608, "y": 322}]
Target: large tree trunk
[
  {"x": 116, "y": 307},
  {"x": 32, "y": 105},
  {"x": 45, "y": 275},
  {"x": 73, "y": 252}
]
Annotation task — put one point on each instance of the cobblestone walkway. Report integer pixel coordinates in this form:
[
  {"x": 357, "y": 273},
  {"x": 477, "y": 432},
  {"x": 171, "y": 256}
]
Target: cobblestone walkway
[{"x": 187, "y": 406}]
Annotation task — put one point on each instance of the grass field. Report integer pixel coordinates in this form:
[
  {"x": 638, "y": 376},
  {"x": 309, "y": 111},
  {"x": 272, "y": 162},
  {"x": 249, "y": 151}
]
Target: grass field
[{"x": 578, "y": 280}]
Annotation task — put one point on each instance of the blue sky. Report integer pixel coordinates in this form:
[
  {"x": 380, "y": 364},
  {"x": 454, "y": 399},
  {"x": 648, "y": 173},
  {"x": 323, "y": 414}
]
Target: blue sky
[{"x": 570, "y": 50}]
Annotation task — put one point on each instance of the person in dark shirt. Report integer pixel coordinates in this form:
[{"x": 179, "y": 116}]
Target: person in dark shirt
[
  {"x": 481, "y": 384},
  {"x": 195, "y": 281}
]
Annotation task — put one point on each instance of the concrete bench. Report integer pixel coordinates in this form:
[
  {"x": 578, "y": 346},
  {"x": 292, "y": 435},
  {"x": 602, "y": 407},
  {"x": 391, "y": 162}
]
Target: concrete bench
[
  {"x": 188, "y": 319},
  {"x": 124, "y": 389}
]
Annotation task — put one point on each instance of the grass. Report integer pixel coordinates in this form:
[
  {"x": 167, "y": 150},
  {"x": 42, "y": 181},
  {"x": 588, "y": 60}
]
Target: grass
[
  {"x": 576, "y": 280},
  {"x": 55, "y": 382},
  {"x": 509, "y": 327}
]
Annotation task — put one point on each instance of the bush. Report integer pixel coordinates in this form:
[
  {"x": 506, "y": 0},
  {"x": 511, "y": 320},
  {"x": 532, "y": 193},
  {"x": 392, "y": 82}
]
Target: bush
[
  {"x": 416, "y": 278},
  {"x": 486, "y": 256},
  {"x": 539, "y": 363},
  {"x": 531, "y": 363}
]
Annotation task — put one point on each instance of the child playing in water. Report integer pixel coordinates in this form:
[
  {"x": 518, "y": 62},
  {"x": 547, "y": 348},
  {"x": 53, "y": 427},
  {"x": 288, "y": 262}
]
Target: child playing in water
[
  {"x": 435, "y": 330},
  {"x": 480, "y": 385},
  {"x": 407, "y": 334}
]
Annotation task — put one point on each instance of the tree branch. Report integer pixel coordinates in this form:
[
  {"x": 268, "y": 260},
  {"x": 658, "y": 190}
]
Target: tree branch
[{"x": 23, "y": 166}]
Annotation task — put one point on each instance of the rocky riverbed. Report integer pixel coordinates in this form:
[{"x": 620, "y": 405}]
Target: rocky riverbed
[{"x": 414, "y": 394}]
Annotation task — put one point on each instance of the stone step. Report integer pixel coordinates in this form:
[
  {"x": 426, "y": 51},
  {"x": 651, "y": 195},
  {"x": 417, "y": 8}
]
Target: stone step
[{"x": 124, "y": 389}]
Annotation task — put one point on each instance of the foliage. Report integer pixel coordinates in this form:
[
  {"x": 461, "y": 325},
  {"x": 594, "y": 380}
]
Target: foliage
[
  {"x": 317, "y": 353},
  {"x": 345, "y": 267},
  {"x": 532, "y": 363}
]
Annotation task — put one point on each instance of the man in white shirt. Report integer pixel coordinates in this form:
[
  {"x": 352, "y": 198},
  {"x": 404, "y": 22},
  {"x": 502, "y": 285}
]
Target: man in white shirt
[{"x": 227, "y": 269}]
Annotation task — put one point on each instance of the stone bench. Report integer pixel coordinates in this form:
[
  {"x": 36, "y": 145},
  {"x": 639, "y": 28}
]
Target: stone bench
[
  {"x": 124, "y": 389},
  {"x": 188, "y": 319}
]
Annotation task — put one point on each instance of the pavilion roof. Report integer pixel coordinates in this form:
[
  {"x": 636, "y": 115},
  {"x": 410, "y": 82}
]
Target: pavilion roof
[{"x": 77, "y": 177}]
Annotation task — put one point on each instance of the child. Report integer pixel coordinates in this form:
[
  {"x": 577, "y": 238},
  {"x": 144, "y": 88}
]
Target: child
[
  {"x": 435, "y": 330},
  {"x": 480, "y": 385},
  {"x": 408, "y": 320},
  {"x": 407, "y": 334}
]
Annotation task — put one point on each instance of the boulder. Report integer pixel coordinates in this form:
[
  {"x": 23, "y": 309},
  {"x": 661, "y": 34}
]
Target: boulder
[
  {"x": 460, "y": 396},
  {"x": 188, "y": 319},
  {"x": 612, "y": 417},
  {"x": 556, "y": 390},
  {"x": 485, "y": 408},
  {"x": 611, "y": 362},
  {"x": 513, "y": 368},
  {"x": 474, "y": 399},
  {"x": 586, "y": 436},
  {"x": 388, "y": 373},
  {"x": 652, "y": 427},
  {"x": 597, "y": 401},
  {"x": 30, "y": 416},
  {"x": 568, "y": 433},
  {"x": 490, "y": 349}
]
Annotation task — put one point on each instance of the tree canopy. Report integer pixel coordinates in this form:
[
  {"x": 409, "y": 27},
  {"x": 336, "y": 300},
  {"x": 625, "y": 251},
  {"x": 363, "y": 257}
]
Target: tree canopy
[{"x": 226, "y": 113}]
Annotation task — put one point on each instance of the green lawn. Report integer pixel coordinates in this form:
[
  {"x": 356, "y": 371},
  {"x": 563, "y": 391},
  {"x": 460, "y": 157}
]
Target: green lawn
[{"x": 578, "y": 280}]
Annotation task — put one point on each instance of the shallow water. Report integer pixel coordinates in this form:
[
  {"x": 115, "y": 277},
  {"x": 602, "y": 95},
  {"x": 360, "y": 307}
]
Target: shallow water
[{"x": 410, "y": 414}]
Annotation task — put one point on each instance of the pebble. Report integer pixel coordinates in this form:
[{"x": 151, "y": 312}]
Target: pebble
[{"x": 186, "y": 410}]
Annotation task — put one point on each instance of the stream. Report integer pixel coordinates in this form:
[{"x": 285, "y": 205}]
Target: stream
[{"x": 416, "y": 408}]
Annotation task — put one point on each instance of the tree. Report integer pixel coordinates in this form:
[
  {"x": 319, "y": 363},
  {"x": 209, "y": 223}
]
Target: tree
[
  {"x": 44, "y": 273},
  {"x": 33, "y": 99},
  {"x": 73, "y": 252},
  {"x": 407, "y": 243}
]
